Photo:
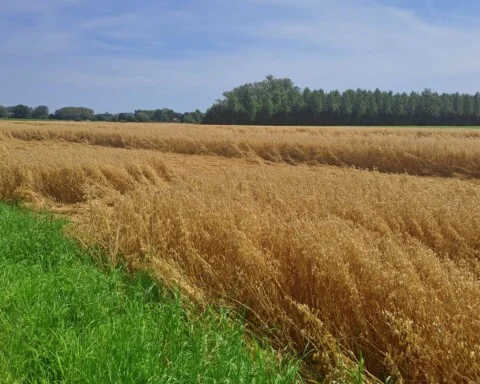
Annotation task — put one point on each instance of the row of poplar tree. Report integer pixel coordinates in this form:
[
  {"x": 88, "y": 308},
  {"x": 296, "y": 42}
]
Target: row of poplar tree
[{"x": 280, "y": 102}]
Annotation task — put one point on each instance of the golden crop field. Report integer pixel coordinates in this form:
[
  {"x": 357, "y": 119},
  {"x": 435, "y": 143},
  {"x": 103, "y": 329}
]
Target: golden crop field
[{"x": 335, "y": 241}]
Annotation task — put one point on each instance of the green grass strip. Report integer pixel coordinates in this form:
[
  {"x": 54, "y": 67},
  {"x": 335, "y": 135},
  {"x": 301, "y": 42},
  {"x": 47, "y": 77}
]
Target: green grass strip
[{"x": 64, "y": 320}]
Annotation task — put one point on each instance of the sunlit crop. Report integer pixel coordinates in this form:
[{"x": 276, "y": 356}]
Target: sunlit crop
[{"x": 339, "y": 242}]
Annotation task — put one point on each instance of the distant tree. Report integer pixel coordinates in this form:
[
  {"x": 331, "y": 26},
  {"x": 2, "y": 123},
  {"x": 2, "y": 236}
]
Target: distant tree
[
  {"x": 279, "y": 101},
  {"x": 41, "y": 112},
  {"x": 413, "y": 108},
  {"x": 189, "y": 118},
  {"x": 476, "y": 108},
  {"x": 386, "y": 111},
  {"x": 359, "y": 107},
  {"x": 378, "y": 95},
  {"x": 199, "y": 116},
  {"x": 142, "y": 116},
  {"x": 159, "y": 115},
  {"x": 272, "y": 101},
  {"x": 74, "y": 113},
  {"x": 399, "y": 109},
  {"x": 446, "y": 109},
  {"x": 126, "y": 117},
  {"x": 371, "y": 113},
  {"x": 21, "y": 112},
  {"x": 333, "y": 107},
  {"x": 429, "y": 107},
  {"x": 218, "y": 114},
  {"x": 165, "y": 115},
  {"x": 104, "y": 117},
  {"x": 192, "y": 117},
  {"x": 457, "y": 108},
  {"x": 307, "y": 115},
  {"x": 346, "y": 106},
  {"x": 468, "y": 109}
]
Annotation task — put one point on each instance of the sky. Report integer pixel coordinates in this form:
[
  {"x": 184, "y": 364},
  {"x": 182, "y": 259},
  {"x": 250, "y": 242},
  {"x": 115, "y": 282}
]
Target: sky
[{"x": 122, "y": 55}]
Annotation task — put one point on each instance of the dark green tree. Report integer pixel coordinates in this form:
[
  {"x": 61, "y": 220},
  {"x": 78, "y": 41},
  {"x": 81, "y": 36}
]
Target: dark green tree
[
  {"x": 41, "y": 112},
  {"x": 371, "y": 113},
  {"x": 21, "y": 112},
  {"x": 476, "y": 108},
  {"x": 359, "y": 107},
  {"x": 468, "y": 109},
  {"x": 74, "y": 113},
  {"x": 126, "y": 117},
  {"x": 346, "y": 106},
  {"x": 142, "y": 116},
  {"x": 104, "y": 117},
  {"x": 458, "y": 115}
]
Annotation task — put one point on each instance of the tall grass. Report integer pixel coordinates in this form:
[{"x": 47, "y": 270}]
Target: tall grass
[
  {"x": 62, "y": 320},
  {"x": 335, "y": 261}
]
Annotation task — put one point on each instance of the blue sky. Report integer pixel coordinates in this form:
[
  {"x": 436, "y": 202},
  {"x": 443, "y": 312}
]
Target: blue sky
[{"x": 121, "y": 55}]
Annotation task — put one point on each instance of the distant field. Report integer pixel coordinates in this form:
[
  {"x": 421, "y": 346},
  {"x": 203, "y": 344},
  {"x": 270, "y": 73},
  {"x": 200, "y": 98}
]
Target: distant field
[
  {"x": 343, "y": 241},
  {"x": 420, "y": 151}
]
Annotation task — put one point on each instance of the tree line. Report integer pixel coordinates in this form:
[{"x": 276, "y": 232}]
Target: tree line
[
  {"x": 86, "y": 114},
  {"x": 280, "y": 102}
]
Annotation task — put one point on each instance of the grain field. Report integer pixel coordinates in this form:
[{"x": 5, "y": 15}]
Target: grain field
[{"x": 336, "y": 242}]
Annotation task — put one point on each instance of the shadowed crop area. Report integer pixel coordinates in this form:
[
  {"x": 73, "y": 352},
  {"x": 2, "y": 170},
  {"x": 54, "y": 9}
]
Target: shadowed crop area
[
  {"x": 375, "y": 253},
  {"x": 63, "y": 320}
]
